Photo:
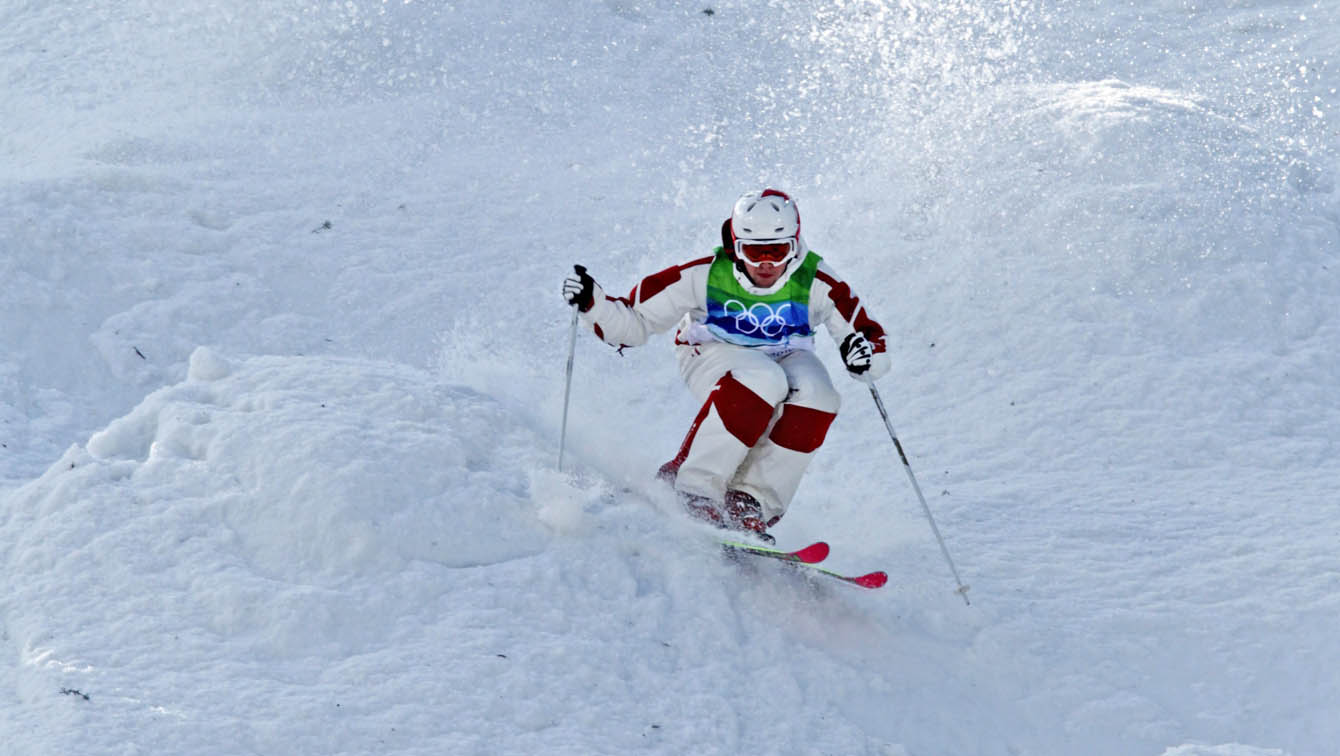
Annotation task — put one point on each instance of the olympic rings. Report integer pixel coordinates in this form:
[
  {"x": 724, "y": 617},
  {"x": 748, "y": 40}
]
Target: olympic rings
[{"x": 759, "y": 318}]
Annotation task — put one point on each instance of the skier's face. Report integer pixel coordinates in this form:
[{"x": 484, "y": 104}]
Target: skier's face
[{"x": 764, "y": 274}]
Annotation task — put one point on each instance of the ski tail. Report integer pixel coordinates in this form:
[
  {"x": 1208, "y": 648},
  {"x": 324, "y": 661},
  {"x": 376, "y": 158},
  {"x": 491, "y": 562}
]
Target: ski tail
[{"x": 875, "y": 579}]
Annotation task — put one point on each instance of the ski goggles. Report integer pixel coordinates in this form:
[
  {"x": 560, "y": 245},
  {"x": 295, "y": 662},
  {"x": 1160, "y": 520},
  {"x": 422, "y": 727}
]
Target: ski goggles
[{"x": 776, "y": 252}]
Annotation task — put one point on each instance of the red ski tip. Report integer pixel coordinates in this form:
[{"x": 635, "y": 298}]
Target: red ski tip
[
  {"x": 873, "y": 580},
  {"x": 815, "y": 552}
]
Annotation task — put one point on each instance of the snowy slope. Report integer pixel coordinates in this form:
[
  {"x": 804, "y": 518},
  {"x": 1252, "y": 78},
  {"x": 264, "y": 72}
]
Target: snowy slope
[{"x": 281, "y": 358}]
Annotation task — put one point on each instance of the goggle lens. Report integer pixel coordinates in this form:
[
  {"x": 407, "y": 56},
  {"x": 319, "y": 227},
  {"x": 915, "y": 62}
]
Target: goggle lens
[{"x": 770, "y": 252}]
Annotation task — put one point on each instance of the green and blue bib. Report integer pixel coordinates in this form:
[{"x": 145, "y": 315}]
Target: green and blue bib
[{"x": 780, "y": 320}]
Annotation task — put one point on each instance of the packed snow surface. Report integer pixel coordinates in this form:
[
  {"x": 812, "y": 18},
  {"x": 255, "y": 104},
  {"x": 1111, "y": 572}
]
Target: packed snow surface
[{"x": 282, "y": 367}]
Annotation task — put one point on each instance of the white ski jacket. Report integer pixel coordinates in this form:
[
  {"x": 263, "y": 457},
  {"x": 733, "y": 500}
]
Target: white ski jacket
[{"x": 678, "y": 295}]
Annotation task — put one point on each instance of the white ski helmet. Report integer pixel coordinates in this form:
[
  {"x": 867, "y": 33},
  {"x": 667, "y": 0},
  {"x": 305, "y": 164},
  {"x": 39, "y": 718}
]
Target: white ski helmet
[{"x": 768, "y": 217}]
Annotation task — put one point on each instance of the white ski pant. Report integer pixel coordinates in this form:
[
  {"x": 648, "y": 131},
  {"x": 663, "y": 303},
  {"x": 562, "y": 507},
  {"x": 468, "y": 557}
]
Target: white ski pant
[{"x": 761, "y": 421}]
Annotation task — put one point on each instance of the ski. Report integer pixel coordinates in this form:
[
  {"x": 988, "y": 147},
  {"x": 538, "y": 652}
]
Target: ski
[
  {"x": 808, "y": 558},
  {"x": 875, "y": 579},
  {"x": 812, "y": 554}
]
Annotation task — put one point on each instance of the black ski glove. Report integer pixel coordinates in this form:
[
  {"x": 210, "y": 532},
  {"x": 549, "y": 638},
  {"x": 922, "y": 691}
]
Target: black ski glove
[
  {"x": 579, "y": 288},
  {"x": 857, "y": 353}
]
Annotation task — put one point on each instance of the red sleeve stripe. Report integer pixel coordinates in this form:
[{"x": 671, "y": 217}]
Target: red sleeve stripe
[
  {"x": 657, "y": 282},
  {"x": 841, "y": 295},
  {"x": 850, "y": 308}
]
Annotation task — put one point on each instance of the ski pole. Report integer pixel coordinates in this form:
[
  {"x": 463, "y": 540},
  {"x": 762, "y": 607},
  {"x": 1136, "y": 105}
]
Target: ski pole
[
  {"x": 879, "y": 403},
  {"x": 567, "y": 387}
]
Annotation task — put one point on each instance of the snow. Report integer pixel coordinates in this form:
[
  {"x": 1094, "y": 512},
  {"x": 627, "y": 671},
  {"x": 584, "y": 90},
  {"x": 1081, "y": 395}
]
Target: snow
[{"x": 282, "y": 353}]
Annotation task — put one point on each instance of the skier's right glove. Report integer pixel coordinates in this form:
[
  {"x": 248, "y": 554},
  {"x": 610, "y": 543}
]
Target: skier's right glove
[{"x": 579, "y": 288}]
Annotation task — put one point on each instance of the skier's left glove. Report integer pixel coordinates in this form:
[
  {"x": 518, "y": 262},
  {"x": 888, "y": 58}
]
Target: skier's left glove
[{"x": 863, "y": 362}]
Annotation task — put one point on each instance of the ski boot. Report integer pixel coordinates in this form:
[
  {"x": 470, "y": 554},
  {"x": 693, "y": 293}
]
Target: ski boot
[
  {"x": 740, "y": 511},
  {"x": 736, "y": 517},
  {"x": 745, "y": 513}
]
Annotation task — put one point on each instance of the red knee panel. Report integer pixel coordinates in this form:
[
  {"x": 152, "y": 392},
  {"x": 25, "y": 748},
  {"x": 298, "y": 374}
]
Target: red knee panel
[
  {"x": 800, "y": 428},
  {"x": 745, "y": 414}
]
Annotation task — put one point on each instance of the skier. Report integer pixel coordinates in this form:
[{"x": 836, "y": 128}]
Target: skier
[{"x": 746, "y": 318}]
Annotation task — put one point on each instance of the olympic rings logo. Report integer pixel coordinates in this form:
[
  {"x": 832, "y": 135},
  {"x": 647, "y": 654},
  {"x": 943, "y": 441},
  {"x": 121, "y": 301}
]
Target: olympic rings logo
[{"x": 758, "y": 318}]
